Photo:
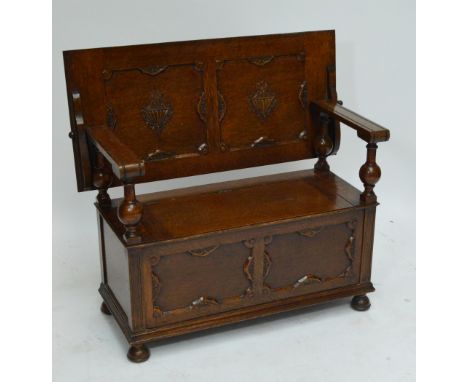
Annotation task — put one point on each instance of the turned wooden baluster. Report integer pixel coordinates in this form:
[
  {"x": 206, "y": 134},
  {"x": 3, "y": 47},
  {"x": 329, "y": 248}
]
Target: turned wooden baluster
[
  {"x": 370, "y": 174},
  {"x": 130, "y": 212},
  {"x": 323, "y": 145},
  {"x": 102, "y": 179}
]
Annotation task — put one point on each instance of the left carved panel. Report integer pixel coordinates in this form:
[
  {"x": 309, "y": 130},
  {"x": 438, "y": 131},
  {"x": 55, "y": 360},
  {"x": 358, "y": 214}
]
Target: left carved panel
[
  {"x": 154, "y": 109},
  {"x": 200, "y": 281}
]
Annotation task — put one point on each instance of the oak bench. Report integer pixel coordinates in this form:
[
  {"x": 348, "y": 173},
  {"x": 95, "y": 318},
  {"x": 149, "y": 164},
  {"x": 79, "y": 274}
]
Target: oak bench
[{"x": 184, "y": 260}]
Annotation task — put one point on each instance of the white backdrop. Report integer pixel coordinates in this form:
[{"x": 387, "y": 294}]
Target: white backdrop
[{"x": 375, "y": 42}]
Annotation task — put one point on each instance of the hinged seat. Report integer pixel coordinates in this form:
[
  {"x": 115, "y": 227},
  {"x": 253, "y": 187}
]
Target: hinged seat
[{"x": 194, "y": 211}]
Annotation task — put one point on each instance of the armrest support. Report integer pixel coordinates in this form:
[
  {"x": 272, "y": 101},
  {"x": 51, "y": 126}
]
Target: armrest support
[
  {"x": 125, "y": 163},
  {"x": 367, "y": 130},
  {"x": 126, "y": 166}
]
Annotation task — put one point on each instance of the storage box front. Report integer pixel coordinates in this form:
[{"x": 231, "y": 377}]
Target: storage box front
[{"x": 251, "y": 268}]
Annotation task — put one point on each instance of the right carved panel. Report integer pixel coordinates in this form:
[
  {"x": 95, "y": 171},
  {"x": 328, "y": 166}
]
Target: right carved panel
[
  {"x": 265, "y": 99},
  {"x": 312, "y": 260}
]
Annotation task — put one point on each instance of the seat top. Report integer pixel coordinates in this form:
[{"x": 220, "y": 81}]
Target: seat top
[{"x": 194, "y": 211}]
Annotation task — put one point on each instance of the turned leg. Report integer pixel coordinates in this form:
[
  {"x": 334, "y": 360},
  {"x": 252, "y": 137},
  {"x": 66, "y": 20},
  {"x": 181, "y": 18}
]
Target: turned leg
[
  {"x": 130, "y": 212},
  {"x": 360, "y": 303},
  {"x": 105, "y": 309},
  {"x": 102, "y": 179},
  {"x": 138, "y": 353},
  {"x": 370, "y": 174},
  {"x": 323, "y": 145}
]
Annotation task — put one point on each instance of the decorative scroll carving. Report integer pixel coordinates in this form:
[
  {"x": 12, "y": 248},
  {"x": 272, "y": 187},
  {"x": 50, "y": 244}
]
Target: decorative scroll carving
[
  {"x": 303, "y": 135},
  {"x": 203, "y": 148},
  {"x": 248, "y": 271},
  {"x": 111, "y": 119},
  {"x": 260, "y": 61},
  {"x": 201, "y": 107},
  {"x": 303, "y": 94},
  {"x": 221, "y": 107},
  {"x": 263, "y": 141},
  {"x": 349, "y": 251},
  {"x": 158, "y": 155},
  {"x": 157, "y": 113},
  {"x": 248, "y": 268},
  {"x": 310, "y": 232},
  {"x": 307, "y": 279},
  {"x": 155, "y": 286},
  {"x": 153, "y": 70},
  {"x": 203, "y": 301},
  {"x": 266, "y": 264},
  {"x": 203, "y": 252},
  {"x": 263, "y": 101},
  {"x": 249, "y": 243}
]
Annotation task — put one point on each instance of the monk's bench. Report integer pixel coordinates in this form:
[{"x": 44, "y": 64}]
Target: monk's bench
[{"x": 184, "y": 260}]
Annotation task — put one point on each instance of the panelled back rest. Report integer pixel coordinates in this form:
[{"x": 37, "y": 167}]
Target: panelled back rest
[{"x": 196, "y": 107}]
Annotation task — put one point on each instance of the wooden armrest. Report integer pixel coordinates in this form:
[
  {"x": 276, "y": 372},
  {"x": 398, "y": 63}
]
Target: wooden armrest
[
  {"x": 367, "y": 130},
  {"x": 126, "y": 165}
]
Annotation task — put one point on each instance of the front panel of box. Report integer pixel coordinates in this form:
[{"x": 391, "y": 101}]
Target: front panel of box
[{"x": 232, "y": 271}]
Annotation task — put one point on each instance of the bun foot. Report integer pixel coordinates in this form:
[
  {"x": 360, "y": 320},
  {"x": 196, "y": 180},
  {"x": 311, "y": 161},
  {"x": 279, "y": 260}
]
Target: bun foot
[
  {"x": 138, "y": 353},
  {"x": 360, "y": 303},
  {"x": 105, "y": 309}
]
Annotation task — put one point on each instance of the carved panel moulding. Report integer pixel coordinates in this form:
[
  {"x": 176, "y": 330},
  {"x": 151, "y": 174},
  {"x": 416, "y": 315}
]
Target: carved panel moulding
[
  {"x": 201, "y": 107},
  {"x": 307, "y": 279},
  {"x": 349, "y": 251},
  {"x": 157, "y": 112},
  {"x": 310, "y": 232},
  {"x": 206, "y": 301},
  {"x": 203, "y": 301},
  {"x": 155, "y": 286},
  {"x": 152, "y": 70},
  {"x": 263, "y": 101},
  {"x": 312, "y": 278},
  {"x": 248, "y": 271},
  {"x": 158, "y": 155},
  {"x": 203, "y": 252},
  {"x": 260, "y": 61}
]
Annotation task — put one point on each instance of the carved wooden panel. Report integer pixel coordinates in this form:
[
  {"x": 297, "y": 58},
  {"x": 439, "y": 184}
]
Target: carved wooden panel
[
  {"x": 265, "y": 101},
  {"x": 155, "y": 113},
  {"x": 197, "y": 107},
  {"x": 312, "y": 259},
  {"x": 186, "y": 284}
]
